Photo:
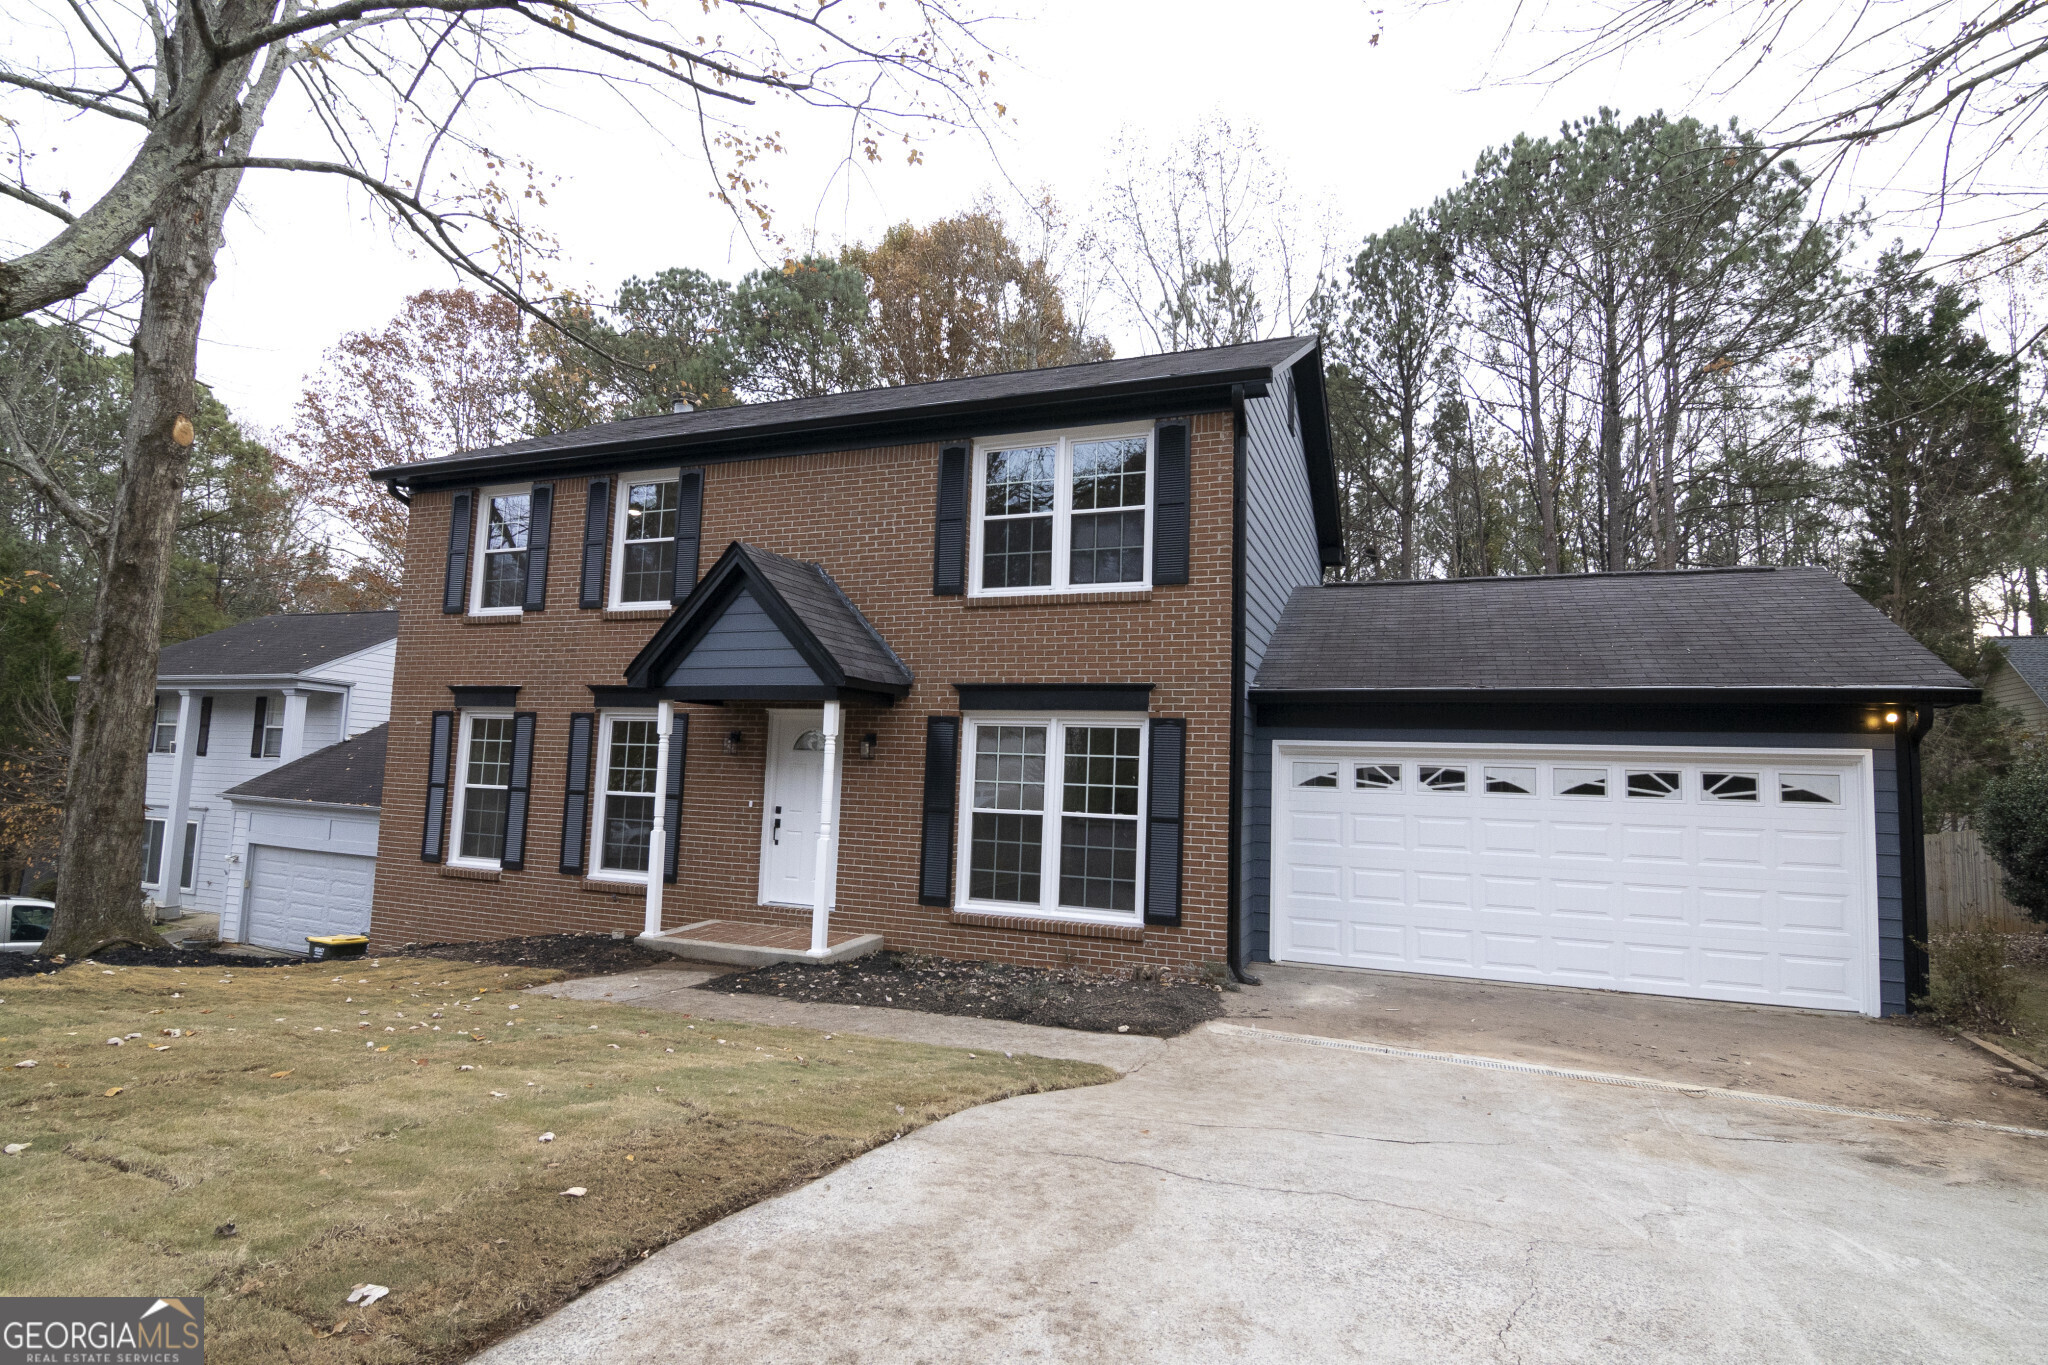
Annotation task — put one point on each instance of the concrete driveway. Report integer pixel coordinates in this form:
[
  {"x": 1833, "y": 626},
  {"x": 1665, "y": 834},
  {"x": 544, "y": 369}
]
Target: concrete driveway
[{"x": 1245, "y": 1196}]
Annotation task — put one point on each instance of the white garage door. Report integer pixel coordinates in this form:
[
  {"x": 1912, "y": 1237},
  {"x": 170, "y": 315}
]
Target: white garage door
[
  {"x": 1736, "y": 875},
  {"x": 294, "y": 892}
]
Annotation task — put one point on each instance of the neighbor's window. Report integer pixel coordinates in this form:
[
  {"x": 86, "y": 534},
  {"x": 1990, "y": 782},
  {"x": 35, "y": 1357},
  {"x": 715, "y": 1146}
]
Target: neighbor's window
[
  {"x": 1314, "y": 774},
  {"x": 625, "y": 808},
  {"x": 153, "y": 854},
  {"x": 1579, "y": 781},
  {"x": 1655, "y": 785},
  {"x": 1057, "y": 513},
  {"x": 1728, "y": 786},
  {"x": 485, "y": 797},
  {"x": 1436, "y": 779},
  {"x": 1377, "y": 776},
  {"x": 273, "y": 728},
  {"x": 1510, "y": 781},
  {"x": 1076, "y": 854},
  {"x": 644, "y": 569},
  {"x": 163, "y": 730},
  {"x": 501, "y": 549}
]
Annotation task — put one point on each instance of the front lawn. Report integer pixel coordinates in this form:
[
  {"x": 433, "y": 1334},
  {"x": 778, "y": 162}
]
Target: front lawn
[{"x": 381, "y": 1123}]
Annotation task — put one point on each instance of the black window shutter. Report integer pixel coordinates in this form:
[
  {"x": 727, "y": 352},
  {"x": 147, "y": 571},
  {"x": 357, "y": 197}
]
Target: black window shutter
[
  {"x": 1162, "y": 821},
  {"x": 205, "y": 726},
  {"x": 689, "y": 532},
  {"x": 672, "y": 807},
  {"x": 256, "y": 734},
  {"x": 540, "y": 519},
  {"x": 949, "y": 541},
  {"x": 439, "y": 754},
  {"x": 576, "y": 801},
  {"x": 517, "y": 790},
  {"x": 455, "y": 590},
  {"x": 596, "y": 537},
  {"x": 941, "y": 794},
  {"x": 1170, "y": 502}
]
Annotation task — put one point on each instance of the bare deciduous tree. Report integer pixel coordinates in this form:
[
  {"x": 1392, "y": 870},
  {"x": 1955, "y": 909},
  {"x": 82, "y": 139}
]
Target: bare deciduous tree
[{"x": 398, "y": 90}]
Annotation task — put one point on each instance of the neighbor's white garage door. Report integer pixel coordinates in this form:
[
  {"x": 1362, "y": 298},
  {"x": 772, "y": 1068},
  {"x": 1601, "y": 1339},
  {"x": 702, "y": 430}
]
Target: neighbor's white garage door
[
  {"x": 294, "y": 892},
  {"x": 1739, "y": 875}
]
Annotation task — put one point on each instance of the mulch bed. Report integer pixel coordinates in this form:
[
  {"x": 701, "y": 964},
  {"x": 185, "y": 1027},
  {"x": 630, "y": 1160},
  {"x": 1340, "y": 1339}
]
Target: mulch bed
[
  {"x": 576, "y": 954},
  {"x": 21, "y": 964},
  {"x": 987, "y": 990}
]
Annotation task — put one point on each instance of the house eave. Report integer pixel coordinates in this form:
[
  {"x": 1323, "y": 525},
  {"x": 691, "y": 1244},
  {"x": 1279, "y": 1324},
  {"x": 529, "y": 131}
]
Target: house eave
[{"x": 1859, "y": 694}]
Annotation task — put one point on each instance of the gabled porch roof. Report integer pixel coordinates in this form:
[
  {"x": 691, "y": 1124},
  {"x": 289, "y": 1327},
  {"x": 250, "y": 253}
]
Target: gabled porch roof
[{"x": 765, "y": 627}]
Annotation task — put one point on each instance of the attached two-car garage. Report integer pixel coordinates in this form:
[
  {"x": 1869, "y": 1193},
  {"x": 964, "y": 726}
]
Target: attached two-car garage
[
  {"x": 1701, "y": 784},
  {"x": 1743, "y": 875}
]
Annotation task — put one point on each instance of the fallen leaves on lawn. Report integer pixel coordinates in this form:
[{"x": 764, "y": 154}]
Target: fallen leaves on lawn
[
  {"x": 575, "y": 1192},
  {"x": 115, "y": 1091},
  {"x": 279, "y": 1075},
  {"x": 367, "y": 1294}
]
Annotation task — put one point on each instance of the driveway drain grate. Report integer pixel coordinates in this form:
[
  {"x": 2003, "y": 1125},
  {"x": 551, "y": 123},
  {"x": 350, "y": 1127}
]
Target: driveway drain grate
[{"x": 1627, "y": 1082}]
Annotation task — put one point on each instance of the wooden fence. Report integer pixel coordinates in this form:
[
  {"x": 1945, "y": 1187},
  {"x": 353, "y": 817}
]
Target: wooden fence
[{"x": 1963, "y": 882}]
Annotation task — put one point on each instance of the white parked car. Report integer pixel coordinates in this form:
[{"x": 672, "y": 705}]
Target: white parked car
[{"x": 26, "y": 921}]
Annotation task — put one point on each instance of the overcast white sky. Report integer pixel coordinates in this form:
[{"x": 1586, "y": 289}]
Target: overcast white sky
[{"x": 1373, "y": 130}]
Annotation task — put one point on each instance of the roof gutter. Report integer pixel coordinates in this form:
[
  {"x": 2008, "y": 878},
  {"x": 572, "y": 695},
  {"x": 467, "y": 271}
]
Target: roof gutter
[{"x": 1383, "y": 696}]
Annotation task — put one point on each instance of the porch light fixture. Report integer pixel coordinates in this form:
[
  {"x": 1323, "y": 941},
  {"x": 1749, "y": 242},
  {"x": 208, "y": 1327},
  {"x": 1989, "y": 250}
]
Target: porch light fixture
[
  {"x": 732, "y": 741},
  {"x": 867, "y": 744},
  {"x": 1891, "y": 718}
]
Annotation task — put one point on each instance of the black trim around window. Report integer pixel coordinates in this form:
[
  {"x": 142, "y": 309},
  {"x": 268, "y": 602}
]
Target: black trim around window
[{"x": 1054, "y": 696}]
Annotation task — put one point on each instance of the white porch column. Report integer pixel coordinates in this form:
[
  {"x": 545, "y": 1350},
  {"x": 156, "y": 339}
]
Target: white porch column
[
  {"x": 294, "y": 745},
  {"x": 657, "y": 837},
  {"x": 822, "y": 870},
  {"x": 169, "y": 894}
]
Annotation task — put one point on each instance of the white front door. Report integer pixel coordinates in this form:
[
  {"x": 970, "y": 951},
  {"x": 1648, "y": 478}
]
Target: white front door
[
  {"x": 789, "y": 823},
  {"x": 1735, "y": 875}
]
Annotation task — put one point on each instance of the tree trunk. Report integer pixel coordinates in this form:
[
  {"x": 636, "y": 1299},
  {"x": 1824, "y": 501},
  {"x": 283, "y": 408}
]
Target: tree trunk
[
  {"x": 99, "y": 898},
  {"x": 1409, "y": 402},
  {"x": 2034, "y": 622},
  {"x": 1610, "y": 438},
  {"x": 1546, "y": 486}
]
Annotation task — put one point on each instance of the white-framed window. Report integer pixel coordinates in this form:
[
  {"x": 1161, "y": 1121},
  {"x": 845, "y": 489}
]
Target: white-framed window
[
  {"x": 1052, "y": 816},
  {"x": 153, "y": 853},
  {"x": 644, "y": 539},
  {"x": 622, "y": 817},
  {"x": 483, "y": 792},
  {"x": 1063, "y": 512},
  {"x": 163, "y": 728},
  {"x": 273, "y": 727},
  {"x": 498, "y": 580}
]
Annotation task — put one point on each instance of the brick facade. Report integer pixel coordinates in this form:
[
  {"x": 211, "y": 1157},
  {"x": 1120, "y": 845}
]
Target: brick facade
[{"x": 867, "y": 516}]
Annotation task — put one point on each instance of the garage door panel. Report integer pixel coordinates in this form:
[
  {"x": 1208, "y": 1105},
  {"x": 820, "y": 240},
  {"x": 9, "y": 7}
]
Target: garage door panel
[
  {"x": 1763, "y": 900},
  {"x": 297, "y": 892}
]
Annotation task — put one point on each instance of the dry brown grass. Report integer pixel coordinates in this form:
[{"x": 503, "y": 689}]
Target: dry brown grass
[{"x": 346, "y": 1154}]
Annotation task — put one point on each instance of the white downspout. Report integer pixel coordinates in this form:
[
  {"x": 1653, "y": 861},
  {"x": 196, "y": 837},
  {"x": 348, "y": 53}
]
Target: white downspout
[
  {"x": 657, "y": 841},
  {"x": 822, "y": 871},
  {"x": 170, "y": 892}
]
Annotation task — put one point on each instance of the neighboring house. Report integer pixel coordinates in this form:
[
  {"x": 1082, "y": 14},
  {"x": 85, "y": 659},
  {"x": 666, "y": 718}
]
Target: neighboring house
[
  {"x": 2020, "y": 681},
  {"x": 237, "y": 705},
  {"x": 305, "y": 843},
  {"x": 1038, "y": 667}
]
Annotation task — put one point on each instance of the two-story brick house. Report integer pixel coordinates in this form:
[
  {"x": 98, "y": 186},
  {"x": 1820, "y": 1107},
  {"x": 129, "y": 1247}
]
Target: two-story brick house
[{"x": 981, "y": 667}]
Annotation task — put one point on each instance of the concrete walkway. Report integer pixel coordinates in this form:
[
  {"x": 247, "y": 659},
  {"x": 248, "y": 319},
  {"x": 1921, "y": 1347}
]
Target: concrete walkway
[{"x": 1244, "y": 1197}]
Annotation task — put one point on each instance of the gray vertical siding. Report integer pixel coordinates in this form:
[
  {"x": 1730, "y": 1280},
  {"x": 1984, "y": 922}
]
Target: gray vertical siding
[
  {"x": 1279, "y": 520},
  {"x": 1258, "y": 810}
]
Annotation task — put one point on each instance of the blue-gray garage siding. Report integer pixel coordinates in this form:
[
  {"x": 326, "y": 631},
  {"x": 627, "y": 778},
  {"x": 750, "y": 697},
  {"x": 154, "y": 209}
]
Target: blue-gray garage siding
[{"x": 1300, "y": 728}]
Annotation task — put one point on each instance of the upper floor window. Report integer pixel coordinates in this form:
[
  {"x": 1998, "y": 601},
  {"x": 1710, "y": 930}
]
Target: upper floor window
[
  {"x": 163, "y": 729},
  {"x": 501, "y": 544},
  {"x": 644, "y": 544},
  {"x": 1060, "y": 513}
]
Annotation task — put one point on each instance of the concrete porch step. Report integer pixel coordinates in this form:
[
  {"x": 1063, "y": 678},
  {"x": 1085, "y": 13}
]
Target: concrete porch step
[{"x": 755, "y": 945}]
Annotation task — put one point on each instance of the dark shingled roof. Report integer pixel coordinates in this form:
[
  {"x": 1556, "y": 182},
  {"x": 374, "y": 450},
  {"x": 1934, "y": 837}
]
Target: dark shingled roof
[
  {"x": 830, "y": 631},
  {"x": 2028, "y": 655},
  {"x": 1799, "y": 634},
  {"x": 350, "y": 773},
  {"x": 770, "y": 428},
  {"x": 278, "y": 644}
]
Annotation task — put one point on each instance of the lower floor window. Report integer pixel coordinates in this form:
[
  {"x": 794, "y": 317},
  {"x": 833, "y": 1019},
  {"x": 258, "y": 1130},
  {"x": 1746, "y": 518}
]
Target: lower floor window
[
  {"x": 625, "y": 810},
  {"x": 1053, "y": 812},
  {"x": 153, "y": 854},
  {"x": 486, "y": 793}
]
